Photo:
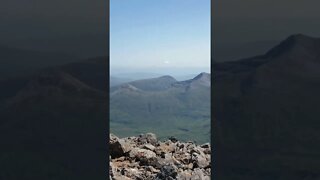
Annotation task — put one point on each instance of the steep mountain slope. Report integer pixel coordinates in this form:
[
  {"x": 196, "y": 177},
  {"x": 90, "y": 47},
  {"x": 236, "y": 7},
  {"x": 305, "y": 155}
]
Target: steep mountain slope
[
  {"x": 54, "y": 118},
  {"x": 92, "y": 72},
  {"x": 153, "y": 104},
  {"x": 267, "y": 106}
]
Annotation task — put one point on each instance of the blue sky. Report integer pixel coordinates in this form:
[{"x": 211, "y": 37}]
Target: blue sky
[{"x": 159, "y": 33}]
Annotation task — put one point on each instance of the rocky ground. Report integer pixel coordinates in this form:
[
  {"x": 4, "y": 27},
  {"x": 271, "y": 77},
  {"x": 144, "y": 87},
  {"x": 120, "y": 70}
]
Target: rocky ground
[{"x": 146, "y": 158}]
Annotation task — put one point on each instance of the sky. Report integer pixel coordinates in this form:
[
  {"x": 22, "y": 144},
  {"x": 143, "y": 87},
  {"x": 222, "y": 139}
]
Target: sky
[
  {"x": 245, "y": 28},
  {"x": 256, "y": 20},
  {"x": 162, "y": 31},
  {"x": 75, "y": 27},
  {"x": 159, "y": 34}
]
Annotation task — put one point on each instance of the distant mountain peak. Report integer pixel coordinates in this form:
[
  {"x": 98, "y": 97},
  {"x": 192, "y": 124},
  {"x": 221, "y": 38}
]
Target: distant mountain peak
[
  {"x": 299, "y": 36},
  {"x": 300, "y": 39},
  {"x": 54, "y": 83},
  {"x": 55, "y": 78},
  {"x": 203, "y": 79},
  {"x": 291, "y": 42},
  {"x": 167, "y": 77},
  {"x": 203, "y": 75}
]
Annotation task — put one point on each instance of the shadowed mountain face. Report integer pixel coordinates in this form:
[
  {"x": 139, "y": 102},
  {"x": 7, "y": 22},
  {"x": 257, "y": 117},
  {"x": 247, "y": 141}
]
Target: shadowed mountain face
[
  {"x": 162, "y": 105},
  {"x": 54, "y": 119},
  {"x": 267, "y": 115}
]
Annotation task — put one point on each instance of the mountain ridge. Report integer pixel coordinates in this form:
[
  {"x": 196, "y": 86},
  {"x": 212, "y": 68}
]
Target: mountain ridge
[
  {"x": 163, "y": 82},
  {"x": 266, "y": 109},
  {"x": 183, "y": 104}
]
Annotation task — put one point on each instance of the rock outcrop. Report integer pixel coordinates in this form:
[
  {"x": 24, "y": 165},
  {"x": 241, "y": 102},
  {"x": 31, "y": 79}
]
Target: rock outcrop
[{"x": 146, "y": 158}]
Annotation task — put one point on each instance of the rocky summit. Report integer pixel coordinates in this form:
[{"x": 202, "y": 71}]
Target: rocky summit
[{"x": 146, "y": 158}]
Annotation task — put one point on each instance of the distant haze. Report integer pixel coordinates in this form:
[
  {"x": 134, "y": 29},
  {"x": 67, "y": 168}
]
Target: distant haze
[
  {"x": 162, "y": 37},
  {"x": 181, "y": 73}
]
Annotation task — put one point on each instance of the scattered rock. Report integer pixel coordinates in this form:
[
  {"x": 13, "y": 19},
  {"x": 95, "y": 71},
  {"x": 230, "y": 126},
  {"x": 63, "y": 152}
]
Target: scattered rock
[
  {"x": 173, "y": 139},
  {"x": 115, "y": 147},
  {"x": 167, "y": 172},
  {"x": 149, "y": 147},
  {"x": 146, "y": 158},
  {"x": 206, "y": 145},
  {"x": 148, "y": 138},
  {"x": 200, "y": 160},
  {"x": 138, "y": 153}
]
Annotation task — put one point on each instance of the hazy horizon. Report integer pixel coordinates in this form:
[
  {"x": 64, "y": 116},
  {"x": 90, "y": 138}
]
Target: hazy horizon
[{"x": 125, "y": 72}]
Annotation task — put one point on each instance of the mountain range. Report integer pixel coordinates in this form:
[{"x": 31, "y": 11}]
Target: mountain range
[
  {"x": 266, "y": 113},
  {"x": 54, "y": 117},
  {"x": 56, "y": 110},
  {"x": 163, "y": 105}
]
